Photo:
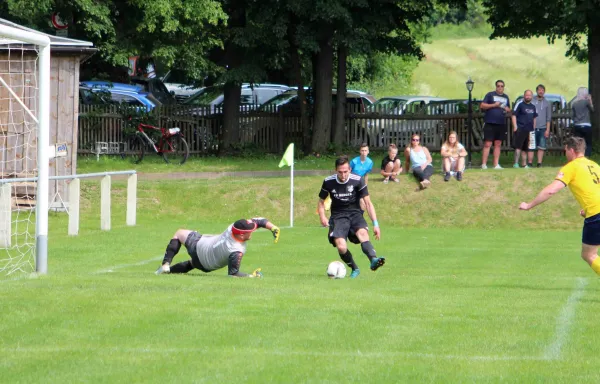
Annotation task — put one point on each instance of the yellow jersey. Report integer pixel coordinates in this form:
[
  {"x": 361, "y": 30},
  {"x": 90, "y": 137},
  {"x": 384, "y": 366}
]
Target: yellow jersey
[{"x": 582, "y": 176}]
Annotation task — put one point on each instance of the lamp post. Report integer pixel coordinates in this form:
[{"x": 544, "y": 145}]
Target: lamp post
[{"x": 470, "y": 83}]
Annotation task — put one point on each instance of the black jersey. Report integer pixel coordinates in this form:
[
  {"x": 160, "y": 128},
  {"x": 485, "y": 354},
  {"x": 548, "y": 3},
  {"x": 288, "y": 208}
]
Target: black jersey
[{"x": 345, "y": 196}]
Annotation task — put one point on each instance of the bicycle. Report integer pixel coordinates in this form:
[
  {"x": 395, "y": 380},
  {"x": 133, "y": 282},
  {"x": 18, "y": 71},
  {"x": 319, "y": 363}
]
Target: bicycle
[{"x": 171, "y": 145}]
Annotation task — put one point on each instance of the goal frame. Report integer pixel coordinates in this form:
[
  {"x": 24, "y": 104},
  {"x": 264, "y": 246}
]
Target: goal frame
[{"x": 43, "y": 139}]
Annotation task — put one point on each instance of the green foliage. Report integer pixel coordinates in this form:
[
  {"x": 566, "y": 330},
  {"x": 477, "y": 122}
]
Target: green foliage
[{"x": 381, "y": 74}]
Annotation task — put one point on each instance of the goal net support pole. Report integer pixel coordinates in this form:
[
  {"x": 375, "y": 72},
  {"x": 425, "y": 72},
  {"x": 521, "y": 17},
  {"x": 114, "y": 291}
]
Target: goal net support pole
[{"x": 43, "y": 140}]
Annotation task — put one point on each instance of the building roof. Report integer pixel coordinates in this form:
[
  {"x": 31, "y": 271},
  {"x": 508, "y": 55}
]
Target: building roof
[{"x": 55, "y": 41}]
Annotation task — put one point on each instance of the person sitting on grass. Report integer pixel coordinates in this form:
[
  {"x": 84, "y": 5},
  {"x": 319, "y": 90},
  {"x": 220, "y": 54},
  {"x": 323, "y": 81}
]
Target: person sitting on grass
[
  {"x": 391, "y": 166},
  {"x": 211, "y": 252},
  {"x": 454, "y": 154},
  {"x": 418, "y": 159}
]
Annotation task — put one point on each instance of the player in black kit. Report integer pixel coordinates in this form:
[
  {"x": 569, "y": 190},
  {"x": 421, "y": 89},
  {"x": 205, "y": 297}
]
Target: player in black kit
[{"x": 347, "y": 221}]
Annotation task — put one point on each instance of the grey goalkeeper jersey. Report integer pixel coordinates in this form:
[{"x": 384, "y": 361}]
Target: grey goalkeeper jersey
[{"x": 213, "y": 251}]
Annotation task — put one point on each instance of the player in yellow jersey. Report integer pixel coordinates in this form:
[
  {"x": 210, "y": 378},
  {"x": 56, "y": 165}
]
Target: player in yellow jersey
[{"x": 582, "y": 176}]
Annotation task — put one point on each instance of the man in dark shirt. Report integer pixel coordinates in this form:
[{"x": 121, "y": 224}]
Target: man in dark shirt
[
  {"x": 495, "y": 104},
  {"x": 523, "y": 121},
  {"x": 347, "y": 221}
]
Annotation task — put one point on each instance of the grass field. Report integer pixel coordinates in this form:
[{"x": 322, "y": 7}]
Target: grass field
[
  {"x": 520, "y": 63},
  {"x": 473, "y": 291}
]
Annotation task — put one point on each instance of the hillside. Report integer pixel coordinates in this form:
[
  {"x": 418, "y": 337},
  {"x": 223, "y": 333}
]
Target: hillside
[{"x": 520, "y": 63}]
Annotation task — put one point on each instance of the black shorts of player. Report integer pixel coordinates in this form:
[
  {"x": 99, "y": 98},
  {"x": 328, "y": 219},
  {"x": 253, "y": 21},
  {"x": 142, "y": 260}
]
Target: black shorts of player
[
  {"x": 521, "y": 140},
  {"x": 591, "y": 230},
  {"x": 190, "y": 244},
  {"x": 493, "y": 132},
  {"x": 345, "y": 226}
]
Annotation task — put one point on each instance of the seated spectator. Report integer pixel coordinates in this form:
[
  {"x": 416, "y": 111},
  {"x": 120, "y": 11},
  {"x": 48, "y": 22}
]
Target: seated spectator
[
  {"x": 362, "y": 165},
  {"x": 453, "y": 154},
  {"x": 418, "y": 159},
  {"x": 391, "y": 166}
]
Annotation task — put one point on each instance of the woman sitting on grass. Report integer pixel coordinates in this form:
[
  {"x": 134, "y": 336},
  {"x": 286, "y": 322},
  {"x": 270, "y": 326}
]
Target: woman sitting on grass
[
  {"x": 418, "y": 159},
  {"x": 454, "y": 154}
]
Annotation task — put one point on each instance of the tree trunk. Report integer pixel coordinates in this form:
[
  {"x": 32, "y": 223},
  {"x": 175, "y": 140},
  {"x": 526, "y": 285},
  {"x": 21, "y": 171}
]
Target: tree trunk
[
  {"x": 323, "y": 85},
  {"x": 231, "y": 115},
  {"x": 296, "y": 62},
  {"x": 340, "y": 102},
  {"x": 594, "y": 73}
]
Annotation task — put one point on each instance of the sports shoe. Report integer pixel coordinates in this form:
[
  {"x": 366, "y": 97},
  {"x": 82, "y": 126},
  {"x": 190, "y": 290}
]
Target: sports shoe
[
  {"x": 459, "y": 176},
  {"x": 395, "y": 180},
  {"x": 483, "y": 166},
  {"x": 515, "y": 165},
  {"x": 498, "y": 167},
  {"x": 163, "y": 269},
  {"x": 377, "y": 262},
  {"x": 386, "y": 180},
  {"x": 527, "y": 166},
  {"x": 447, "y": 176},
  {"x": 425, "y": 184},
  {"x": 539, "y": 165},
  {"x": 355, "y": 273}
]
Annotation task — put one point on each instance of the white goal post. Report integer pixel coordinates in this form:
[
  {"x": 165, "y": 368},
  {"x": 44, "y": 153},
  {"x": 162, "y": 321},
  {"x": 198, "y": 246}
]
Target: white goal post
[{"x": 10, "y": 36}]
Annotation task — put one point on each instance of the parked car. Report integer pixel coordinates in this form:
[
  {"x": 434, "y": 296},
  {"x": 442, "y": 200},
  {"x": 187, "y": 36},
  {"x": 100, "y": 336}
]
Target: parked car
[
  {"x": 269, "y": 124},
  {"x": 558, "y": 102},
  {"x": 251, "y": 97},
  {"x": 289, "y": 101},
  {"x": 156, "y": 88},
  {"x": 99, "y": 93},
  {"x": 180, "y": 85},
  {"x": 384, "y": 131}
]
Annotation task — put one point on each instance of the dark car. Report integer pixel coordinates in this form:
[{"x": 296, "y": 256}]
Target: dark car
[
  {"x": 156, "y": 88},
  {"x": 251, "y": 97}
]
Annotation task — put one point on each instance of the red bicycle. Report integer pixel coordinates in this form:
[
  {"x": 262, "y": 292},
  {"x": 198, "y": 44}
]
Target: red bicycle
[{"x": 171, "y": 145}]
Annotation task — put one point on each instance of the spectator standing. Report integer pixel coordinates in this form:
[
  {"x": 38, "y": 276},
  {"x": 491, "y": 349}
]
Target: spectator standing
[
  {"x": 523, "y": 121},
  {"x": 542, "y": 123},
  {"x": 391, "y": 166},
  {"x": 419, "y": 160},
  {"x": 496, "y": 106},
  {"x": 582, "y": 125}
]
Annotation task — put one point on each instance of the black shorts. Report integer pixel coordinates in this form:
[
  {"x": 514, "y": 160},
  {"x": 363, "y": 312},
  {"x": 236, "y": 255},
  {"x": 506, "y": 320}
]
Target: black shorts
[
  {"x": 190, "y": 244},
  {"x": 345, "y": 225},
  {"x": 521, "y": 140},
  {"x": 591, "y": 230},
  {"x": 493, "y": 132}
]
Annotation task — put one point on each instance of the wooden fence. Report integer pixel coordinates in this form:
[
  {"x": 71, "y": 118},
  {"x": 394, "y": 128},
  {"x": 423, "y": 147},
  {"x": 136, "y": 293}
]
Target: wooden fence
[{"x": 272, "y": 131}]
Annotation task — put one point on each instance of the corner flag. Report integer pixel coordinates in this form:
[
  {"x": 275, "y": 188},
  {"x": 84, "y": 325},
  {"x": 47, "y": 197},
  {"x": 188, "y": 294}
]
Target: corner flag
[
  {"x": 288, "y": 159},
  {"x": 288, "y": 156}
]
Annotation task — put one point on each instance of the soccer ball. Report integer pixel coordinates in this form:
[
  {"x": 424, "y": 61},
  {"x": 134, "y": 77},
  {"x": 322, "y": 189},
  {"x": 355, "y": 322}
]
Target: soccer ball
[{"x": 336, "y": 270}]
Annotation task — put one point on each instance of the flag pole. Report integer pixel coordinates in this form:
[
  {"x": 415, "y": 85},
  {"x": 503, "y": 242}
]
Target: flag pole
[{"x": 292, "y": 195}]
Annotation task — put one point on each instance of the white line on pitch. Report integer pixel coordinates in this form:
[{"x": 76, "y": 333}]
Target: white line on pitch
[
  {"x": 565, "y": 321},
  {"x": 254, "y": 351},
  {"x": 121, "y": 266}
]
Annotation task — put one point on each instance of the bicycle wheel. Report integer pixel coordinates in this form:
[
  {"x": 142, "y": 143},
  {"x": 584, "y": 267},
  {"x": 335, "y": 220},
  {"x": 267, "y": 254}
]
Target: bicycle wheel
[
  {"x": 135, "y": 150},
  {"x": 175, "y": 150}
]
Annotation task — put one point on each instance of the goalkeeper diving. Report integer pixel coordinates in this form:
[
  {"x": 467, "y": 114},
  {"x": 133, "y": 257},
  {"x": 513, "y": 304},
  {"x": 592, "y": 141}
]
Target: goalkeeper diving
[{"x": 211, "y": 252}]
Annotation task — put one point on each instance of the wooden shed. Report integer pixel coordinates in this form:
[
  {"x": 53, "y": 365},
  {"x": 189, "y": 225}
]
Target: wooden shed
[{"x": 18, "y": 69}]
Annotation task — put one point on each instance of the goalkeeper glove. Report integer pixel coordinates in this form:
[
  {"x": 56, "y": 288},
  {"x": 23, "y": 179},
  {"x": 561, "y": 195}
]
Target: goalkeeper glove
[
  {"x": 275, "y": 231},
  {"x": 257, "y": 273}
]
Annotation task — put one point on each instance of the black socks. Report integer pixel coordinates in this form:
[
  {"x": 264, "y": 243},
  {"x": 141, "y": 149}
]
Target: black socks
[{"x": 171, "y": 251}]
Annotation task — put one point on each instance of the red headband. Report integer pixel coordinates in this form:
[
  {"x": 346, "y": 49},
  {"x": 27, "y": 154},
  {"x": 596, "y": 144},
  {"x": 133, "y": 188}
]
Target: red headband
[{"x": 237, "y": 231}]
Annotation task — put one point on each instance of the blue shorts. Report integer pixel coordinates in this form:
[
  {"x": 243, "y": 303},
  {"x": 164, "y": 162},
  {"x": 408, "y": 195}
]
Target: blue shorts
[
  {"x": 591, "y": 230},
  {"x": 540, "y": 139}
]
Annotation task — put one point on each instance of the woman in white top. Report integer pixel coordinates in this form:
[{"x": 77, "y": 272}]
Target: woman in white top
[
  {"x": 454, "y": 154},
  {"x": 418, "y": 159}
]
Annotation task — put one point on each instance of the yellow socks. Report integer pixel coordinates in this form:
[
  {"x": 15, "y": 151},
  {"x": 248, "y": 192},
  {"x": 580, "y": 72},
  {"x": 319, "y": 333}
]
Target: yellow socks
[{"x": 596, "y": 265}]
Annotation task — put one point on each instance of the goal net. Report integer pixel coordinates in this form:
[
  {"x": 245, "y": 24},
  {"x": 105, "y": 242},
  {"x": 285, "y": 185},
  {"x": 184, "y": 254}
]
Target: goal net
[{"x": 24, "y": 114}]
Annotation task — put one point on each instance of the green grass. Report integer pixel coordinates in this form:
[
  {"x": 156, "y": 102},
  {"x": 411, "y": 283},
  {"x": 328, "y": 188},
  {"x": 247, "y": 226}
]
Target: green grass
[
  {"x": 473, "y": 291},
  {"x": 266, "y": 162},
  {"x": 522, "y": 64}
]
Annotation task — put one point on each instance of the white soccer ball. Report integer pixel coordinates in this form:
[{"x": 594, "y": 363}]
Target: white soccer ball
[{"x": 336, "y": 270}]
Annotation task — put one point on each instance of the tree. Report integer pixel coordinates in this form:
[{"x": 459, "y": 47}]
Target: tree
[
  {"x": 574, "y": 20},
  {"x": 168, "y": 30}
]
